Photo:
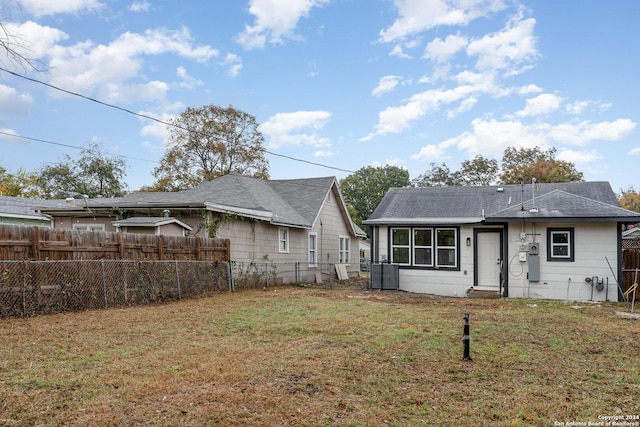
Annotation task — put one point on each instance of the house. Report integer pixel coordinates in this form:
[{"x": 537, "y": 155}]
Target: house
[
  {"x": 553, "y": 241},
  {"x": 164, "y": 225},
  {"x": 299, "y": 226},
  {"x": 23, "y": 212}
]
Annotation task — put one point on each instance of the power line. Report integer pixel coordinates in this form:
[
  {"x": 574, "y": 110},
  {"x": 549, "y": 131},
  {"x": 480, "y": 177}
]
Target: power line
[
  {"x": 71, "y": 146},
  {"x": 145, "y": 116}
]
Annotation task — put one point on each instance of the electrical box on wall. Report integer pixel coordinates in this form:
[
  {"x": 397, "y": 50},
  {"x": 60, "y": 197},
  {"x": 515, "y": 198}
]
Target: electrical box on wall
[
  {"x": 534, "y": 267},
  {"x": 534, "y": 248},
  {"x": 522, "y": 256}
]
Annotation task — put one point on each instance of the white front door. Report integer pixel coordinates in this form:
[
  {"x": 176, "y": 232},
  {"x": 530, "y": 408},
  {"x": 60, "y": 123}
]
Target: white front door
[{"x": 488, "y": 259}]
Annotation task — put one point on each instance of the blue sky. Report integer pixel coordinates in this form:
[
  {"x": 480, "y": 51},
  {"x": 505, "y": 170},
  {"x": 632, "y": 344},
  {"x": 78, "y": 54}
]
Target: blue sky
[{"x": 342, "y": 83}]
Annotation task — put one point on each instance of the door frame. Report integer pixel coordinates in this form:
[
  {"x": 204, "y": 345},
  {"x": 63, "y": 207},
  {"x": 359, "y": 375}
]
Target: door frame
[{"x": 503, "y": 285}]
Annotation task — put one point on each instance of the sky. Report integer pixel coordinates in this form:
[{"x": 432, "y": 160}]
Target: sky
[{"x": 336, "y": 85}]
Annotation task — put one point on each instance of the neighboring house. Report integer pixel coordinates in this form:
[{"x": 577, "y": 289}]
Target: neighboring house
[
  {"x": 554, "y": 241},
  {"x": 164, "y": 225},
  {"x": 302, "y": 226},
  {"x": 23, "y": 212}
]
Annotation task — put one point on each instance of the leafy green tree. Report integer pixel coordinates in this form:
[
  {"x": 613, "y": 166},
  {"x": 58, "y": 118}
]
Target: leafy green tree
[
  {"x": 478, "y": 171},
  {"x": 630, "y": 199},
  {"x": 438, "y": 176},
  {"x": 208, "y": 142},
  {"x": 531, "y": 163},
  {"x": 20, "y": 184},
  {"x": 93, "y": 174},
  {"x": 364, "y": 189}
]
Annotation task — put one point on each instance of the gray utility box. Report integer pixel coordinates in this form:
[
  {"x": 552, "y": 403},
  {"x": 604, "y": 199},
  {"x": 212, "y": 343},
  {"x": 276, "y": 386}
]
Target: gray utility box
[{"x": 385, "y": 277}]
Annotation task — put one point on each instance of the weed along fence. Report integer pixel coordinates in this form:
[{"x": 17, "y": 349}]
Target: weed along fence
[{"x": 49, "y": 271}]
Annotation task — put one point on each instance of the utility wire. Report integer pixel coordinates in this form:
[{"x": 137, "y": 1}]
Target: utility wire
[
  {"x": 72, "y": 146},
  {"x": 145, "y": 116}
]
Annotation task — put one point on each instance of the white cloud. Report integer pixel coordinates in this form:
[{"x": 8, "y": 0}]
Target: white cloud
[
  {"x": 140, "y": 6},
  {"x": 85, "y": 67},
  {"x": 297, "y": 128},
  {"x": 529, "y": 89},
  {"x": 416, "y": 16},
  {"x": 576, "y": 107},
  {"x": 579, "y": 157},
  {"x": 586, "y": 132},
  {"x": 12, "y": 102},
  {"x": 188, "y": 82},
  {"x": 233, "y": 63},
  {"x": 385, "y": 84},
  {"x": 323, "y": 153},
  {"x": 508, "y": 49},
  {"x": 441, "y": 50},
  {"x": 635, "y": 151},
  {"x": 397, "y": 119},
  {"x": 429, "y": 153},
  {"x": 50, "y": 7},
  {"x": 33, "y": 40},
  {"x": 542, "y": 104},
  {"x": 275, "y": 20},
  {"x": 466, "y": 105}
]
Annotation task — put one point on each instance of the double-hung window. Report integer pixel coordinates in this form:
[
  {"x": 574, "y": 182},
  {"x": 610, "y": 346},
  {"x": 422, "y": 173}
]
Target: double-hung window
[
  {"x": 560, "y": 245},
  {"x": 429, "y": 247},
  {"x": 313, "y": 250},
  {"x": 283, "y": 240},
  {"x": 344, "y": 249}
]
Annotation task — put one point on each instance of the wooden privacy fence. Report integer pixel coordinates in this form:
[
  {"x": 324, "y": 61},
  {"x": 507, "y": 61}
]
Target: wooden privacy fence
[
  {"x": 41, "y": 244},
  {"x": 630, "y": 271}
]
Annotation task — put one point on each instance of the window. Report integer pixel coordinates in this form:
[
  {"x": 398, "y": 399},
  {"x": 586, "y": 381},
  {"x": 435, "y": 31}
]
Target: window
[
  {"x": 422, "y": 247},
  {"x": 313, "y": 249},
  {"x": 400, "y": 246},
  {"x": 433, "y": 247},
  {"x": 343, "y": 254},
  {"x": 560, "y": 245},
  {"x": 283, "y": 240},
  {"x": 88, "y": 227}
]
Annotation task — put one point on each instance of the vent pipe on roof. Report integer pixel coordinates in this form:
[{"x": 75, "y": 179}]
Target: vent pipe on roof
[
  {"x": 165, "y": 213},
  {"x": 534, "y": 187}
]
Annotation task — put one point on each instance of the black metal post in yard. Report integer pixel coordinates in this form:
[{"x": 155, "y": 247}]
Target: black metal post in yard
[{"x": 466, "y": 338}]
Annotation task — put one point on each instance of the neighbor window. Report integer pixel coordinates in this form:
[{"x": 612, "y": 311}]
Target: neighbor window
[
  {"x": 425, "y": 246},
  {"x": 88, "y": 227},
  {"x": 313, "y": 249},
  {"x": 560, "y": 244},
  {"x": 283, "y": 240},
  {"x": 345, "y": 242}
]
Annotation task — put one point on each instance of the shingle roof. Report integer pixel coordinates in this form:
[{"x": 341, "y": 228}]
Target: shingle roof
[
  {"x": 144, "y": 221},
  {"x": 23, "y": 207},
  {"x": 561, "y": 201}
]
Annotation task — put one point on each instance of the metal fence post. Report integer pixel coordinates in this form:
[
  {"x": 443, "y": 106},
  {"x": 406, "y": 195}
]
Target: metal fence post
[
  {"x": 104, "y": 283},
  {"x": 178, "y": 280}
]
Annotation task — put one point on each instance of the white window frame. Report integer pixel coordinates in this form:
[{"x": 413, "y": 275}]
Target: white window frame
[
  {"x": 570, "y": 244},
  {"x": 435, "y": 247},
  {"x": 88, "y": 227},
  {"x": 313, "y": 249},
  {"x": 344, "y": 250},
  {"x": 414, "y": 246},
  {"x": 400, "y": 246},
  {"x": 283, "y": 240}
]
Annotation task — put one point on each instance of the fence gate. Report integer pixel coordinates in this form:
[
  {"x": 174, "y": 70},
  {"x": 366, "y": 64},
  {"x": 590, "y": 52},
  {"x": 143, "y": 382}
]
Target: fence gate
[{"x": 385, "y": 277}]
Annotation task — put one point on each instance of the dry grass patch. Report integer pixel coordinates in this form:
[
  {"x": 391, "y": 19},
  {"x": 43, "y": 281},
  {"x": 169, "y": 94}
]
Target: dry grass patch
[{"x": 309, "y": 357}]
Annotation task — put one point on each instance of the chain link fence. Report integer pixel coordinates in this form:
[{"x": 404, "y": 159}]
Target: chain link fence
[{"x": 29, "y": 288}]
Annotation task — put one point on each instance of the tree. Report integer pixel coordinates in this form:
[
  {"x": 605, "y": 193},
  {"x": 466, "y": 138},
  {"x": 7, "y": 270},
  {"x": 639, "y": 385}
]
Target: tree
[
  {"x": 364, "y": 189},
  {"x": 208, "y": 142},
  {"x": 478, "y": 171},
  {"x": 93, "y": 174},
  {"x": 531, "y": 163},
  {"x": 14, "y": 45},
  {"x": 438, "y": 176},
  {"x": 630, "y": 199},
  {"x": 22, "y": 184}
]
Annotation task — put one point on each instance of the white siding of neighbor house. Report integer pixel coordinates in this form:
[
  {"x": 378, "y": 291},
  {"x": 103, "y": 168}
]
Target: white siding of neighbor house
[
  {"x": 258, "y": 242},
  {"x": 559, "y": 280}
]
